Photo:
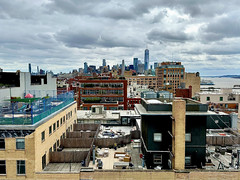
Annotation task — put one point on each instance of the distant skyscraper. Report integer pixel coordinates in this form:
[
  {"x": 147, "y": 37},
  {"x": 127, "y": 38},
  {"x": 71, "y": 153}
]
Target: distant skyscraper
[
  {"x": 85, "y": 68},
  {"x": 38, "y": 70},
  {"x": 123, "y": 67},
  {"x": 80, "y": 70},
  {"x": 93, "y": 68},
  {"x": 146, "y": 59},
  {"x": 104, "y": 62},
  {"x": 155, "y": 65},
  {"x": 135, "y": 64},
  {"x": 29, "y": 68},
  {"x": 151, "y": 67}
]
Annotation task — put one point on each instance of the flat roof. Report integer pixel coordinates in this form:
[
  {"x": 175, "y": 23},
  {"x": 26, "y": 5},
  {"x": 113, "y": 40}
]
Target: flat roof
[
  {"x": 37, "y": 124},
  {"x": 106, "y": 115},
  {"x": 142, "y": 111},
  {"x": 63, "y": 167},
  {"x": 109, "y": 160}
]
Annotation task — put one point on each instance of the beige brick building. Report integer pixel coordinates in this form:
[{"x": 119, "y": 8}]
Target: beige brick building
[
  {"x": 192, "y": 79},
  {"x": 25, "y": 148},
  {"x": 169, "y": 76},
  {"x": 149, "y": 81}
]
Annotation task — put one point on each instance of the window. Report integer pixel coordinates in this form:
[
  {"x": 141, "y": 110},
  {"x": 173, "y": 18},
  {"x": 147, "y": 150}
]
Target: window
[
  {"x": 97, "y": 121},
  {"x": 54, "y": 126},
  {"x": 57, "y": 143},
  {"x": 43, "y": 136},
  {"x": 55, "y": 147},
  {"x": 157, "y": 137},
  {"x": 50, "y": 149},
  {"x": 208, "y": 98},
  {"x": 50, "y": 130},
  {"x": 124, "y": 120},
  {"x": 188, "y": 137},
  {"x": 231, "y": 97},
  {"x": 2, "y": 167},
  {"x": 21, "y": 167},
  {"x": 220, "y": 98},
  {"x": 61, "y": 121},
  {"x": 20, "y": 143},
  {"x": 58, "y": 124},
  {"x": 157, "y": 159},
  {"x": 2, "y": 143},
  {"x": 80, "y": 121},
  {"x": 43, "y": 161},
  {"x": 188, "y": 160}
]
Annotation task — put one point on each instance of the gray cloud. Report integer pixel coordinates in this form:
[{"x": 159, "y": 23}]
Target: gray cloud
[
  {"x": 61, "y": 34},
  {"x": 223, "y": 27},
  {"x": 167, "y": 36}
]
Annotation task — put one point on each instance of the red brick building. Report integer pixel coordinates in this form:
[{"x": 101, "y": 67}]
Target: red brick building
[
  {"x": 132, "y": 101},
  {"x": 184, "y": 93},
  {"x": 112, "y": 93}
]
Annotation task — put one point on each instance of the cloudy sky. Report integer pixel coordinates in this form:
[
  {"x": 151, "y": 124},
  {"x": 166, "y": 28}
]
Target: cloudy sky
[{"x": 60, "y": 35}]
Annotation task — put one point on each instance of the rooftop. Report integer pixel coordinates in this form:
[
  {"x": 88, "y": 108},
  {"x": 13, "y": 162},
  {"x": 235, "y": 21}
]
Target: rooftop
[
  {"x": 111, "y": 161},
  {"x": 143, "y": 111},
  {"x": 106, "y": 115},
  {"x": 27, "y": 112}
]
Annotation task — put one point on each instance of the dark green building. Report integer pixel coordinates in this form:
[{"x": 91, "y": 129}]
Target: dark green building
[{"x": 156, "y": 132}]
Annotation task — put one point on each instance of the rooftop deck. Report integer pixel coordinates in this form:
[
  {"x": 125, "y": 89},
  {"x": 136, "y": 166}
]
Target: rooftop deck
[
  {"x": 109, "y": 160},
  {"x": 32, "y": 110}
]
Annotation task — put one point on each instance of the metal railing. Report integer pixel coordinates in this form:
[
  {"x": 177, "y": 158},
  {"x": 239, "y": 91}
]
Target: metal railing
[{"x": 29, "y": 113}]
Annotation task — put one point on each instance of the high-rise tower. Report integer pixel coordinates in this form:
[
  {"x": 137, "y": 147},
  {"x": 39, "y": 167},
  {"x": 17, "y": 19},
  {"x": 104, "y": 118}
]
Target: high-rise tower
[
  {"x": 85, "y": 68},
  {"x": 30, "y": 68},
  {"x": 104, "y": 62},
  {"x": 146, "y": 59},
  {"x": 123, "y": 67},
  {"x": 135, "y": 64}
]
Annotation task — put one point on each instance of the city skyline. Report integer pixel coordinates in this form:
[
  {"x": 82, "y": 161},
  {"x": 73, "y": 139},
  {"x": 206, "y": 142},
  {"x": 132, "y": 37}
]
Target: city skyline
[{"x": 61, "y": 36}]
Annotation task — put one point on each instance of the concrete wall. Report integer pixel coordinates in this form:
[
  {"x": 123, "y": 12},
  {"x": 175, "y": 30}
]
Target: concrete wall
[
  {"x": 25, "y": 86},
  {"x": 143, "y": 175},
  {"x": 191, "y": 79}
]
